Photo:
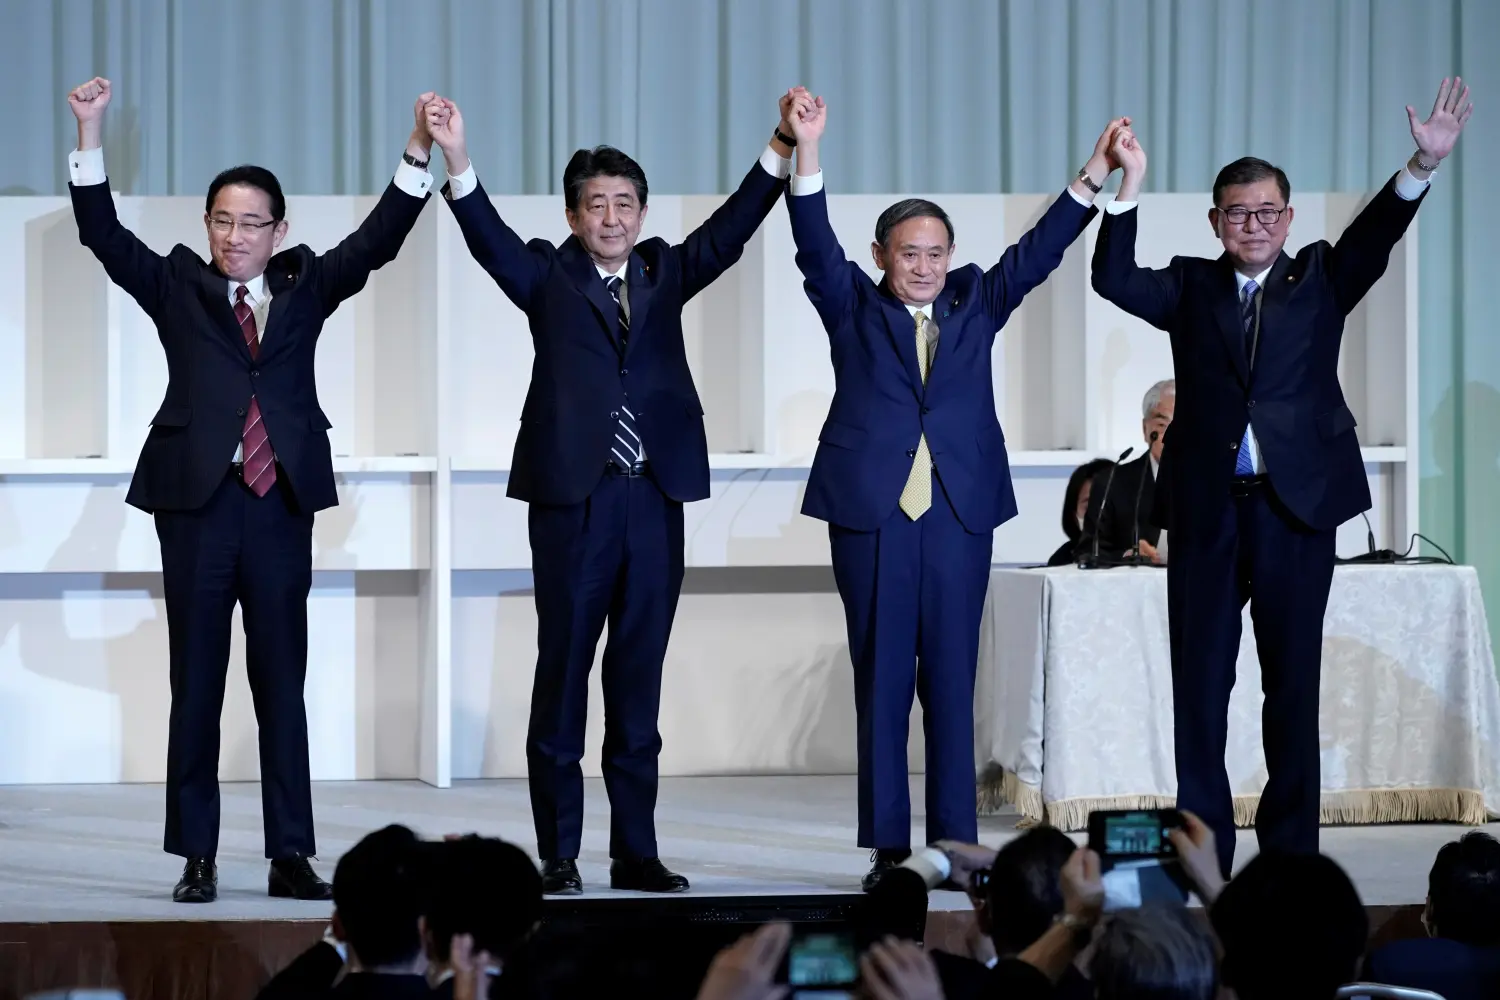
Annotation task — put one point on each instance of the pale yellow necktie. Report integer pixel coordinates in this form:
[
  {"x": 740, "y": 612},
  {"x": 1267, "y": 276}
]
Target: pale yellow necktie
[{"x": 916, "y": 496}]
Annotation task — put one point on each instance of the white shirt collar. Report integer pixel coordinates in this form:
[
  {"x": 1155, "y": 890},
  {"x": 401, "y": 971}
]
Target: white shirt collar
[
  {"x": 1155, "y": 466},
  {"x": 255, "y": 289},
  {"x": 925, "y": 310},
  {"x": 1240, "y": 281},
  {"x": 606, "y": 275}
]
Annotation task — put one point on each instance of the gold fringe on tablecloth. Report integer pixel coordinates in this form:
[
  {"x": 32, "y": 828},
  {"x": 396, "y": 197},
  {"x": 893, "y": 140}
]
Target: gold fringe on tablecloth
[{"x": 999, "y": 787}]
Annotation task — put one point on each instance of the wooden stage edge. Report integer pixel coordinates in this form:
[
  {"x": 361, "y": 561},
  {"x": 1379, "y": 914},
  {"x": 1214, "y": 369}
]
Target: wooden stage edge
[{"x": 232, "y": 959}]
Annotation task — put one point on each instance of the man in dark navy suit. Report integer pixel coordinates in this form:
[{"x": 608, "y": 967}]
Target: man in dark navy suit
[
  {"x": 235, "y": 466},
  {"x": 1262, "y": 464},
  {"x": 912, "y": 477},
  {"x": 611, "y": 446}
]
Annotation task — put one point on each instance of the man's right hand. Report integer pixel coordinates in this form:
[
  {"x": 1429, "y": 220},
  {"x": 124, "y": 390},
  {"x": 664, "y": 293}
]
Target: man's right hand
[
  {"x": 446, "y": 125},
  {"x": 1198, "y": 853},
  {"x": 88, "y": 100},
  {"x": 1127, "y": 151},
  {"x": 807, "y": 117}
]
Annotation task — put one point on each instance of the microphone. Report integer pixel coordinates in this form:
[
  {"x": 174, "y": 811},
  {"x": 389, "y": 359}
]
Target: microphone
[
  {"x": 1140, "y": 486},
  {"x": 1373, "y": 555},
  {"x": 1092, "y": 561}
]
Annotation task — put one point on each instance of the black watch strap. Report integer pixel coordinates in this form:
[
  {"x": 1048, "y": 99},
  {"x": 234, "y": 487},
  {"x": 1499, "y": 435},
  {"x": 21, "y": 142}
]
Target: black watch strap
[
  {"x": 419, "y": 164},
  {"x": 788, "y": 139}
]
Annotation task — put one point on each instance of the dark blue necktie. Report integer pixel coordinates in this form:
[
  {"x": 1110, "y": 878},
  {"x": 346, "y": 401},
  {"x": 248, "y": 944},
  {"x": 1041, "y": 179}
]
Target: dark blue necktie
[
  {"x": 1244, "y": 465},
  {"x": 626, "y": 449}
]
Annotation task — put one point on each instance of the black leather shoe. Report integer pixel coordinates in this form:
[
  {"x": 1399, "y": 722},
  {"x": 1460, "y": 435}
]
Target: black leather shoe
[
  {"x": 645, "y": 875},
  {"x": 884, "y": 858},
  {"x": 294, "y": 878},
  {"x": 199, "y": 882},
  {"x": 560, "y": 877}
]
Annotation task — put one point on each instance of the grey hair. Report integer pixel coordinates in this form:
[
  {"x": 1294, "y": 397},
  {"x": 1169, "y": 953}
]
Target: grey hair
[
  {"x": 1160, "y": 952},
  {"x": 1166, "y": 387}
]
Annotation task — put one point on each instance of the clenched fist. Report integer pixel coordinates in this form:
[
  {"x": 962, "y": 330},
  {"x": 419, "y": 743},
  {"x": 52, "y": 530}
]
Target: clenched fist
[{"x": 88, "y": 100}]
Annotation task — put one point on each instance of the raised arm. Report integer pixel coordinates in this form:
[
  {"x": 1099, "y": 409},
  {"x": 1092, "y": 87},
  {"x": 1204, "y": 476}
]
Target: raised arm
[
  {"x": 826, "y": 274},
  {"x": 1037, "y": 254},
  {"x": 715, "y": 246},
  {"x": 1364, "y": 250},
  {"x": 1148, "y": 294},
  {"x": 504, "y": 256},
  {"x": 129, "y": 263},
  {"x": 344, "y": 270}
]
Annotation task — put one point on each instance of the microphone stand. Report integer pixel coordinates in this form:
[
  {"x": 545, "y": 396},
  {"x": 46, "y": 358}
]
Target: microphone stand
[
  {"x": 1092, "y": 561},
  {"x": 1135, "y": 514}
]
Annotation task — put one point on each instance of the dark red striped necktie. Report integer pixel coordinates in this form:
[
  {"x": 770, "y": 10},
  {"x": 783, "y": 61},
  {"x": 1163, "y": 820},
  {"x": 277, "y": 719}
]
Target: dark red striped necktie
[{"x": 259, "y": 460}]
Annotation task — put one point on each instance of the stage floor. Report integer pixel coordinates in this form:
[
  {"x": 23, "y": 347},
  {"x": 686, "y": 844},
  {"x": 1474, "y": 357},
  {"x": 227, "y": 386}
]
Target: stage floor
[{"x": 92, "y": 852}]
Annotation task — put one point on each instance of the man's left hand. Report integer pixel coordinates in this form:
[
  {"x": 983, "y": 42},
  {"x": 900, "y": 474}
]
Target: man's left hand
[{"x": 1450, "y": 112}]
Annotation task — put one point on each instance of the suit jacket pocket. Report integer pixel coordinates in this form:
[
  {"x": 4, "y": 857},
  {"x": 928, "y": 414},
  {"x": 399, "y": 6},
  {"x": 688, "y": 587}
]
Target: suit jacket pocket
[
  {"x": 842, "y": 435},
  {"x": 1335, "y": 422},
  {"x": 172, "y": 416}
]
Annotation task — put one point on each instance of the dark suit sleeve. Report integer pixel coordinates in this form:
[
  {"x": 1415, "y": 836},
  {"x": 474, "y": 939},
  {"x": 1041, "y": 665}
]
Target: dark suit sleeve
[
  {"x": 1146, "y": 293},
  {"x": 1033, "y": 257},
  {"x": 715, "y": 246},
  {"x": 343, "y": 271},
  {"x": 129, "y": 263},
  {"x": 516, "y": 268},
  {"x": 310, "y": 974},
  {"x": 1363, "y": 252},
  {"x": 826, "y": 274}
]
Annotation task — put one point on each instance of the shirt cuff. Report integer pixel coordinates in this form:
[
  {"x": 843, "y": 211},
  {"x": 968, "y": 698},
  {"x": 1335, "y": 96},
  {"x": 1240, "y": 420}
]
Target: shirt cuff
[
  {"x": 413, "y": 180},
  {"x": 1408, "y": 188},
  {"x": 930, "y": 863},
  {"x": 86, "y": 166},
  {"x": 811, "y": 184},
  {"x": 464, "y": 183},
  {"x": 1079, "y": 198},
  {"x": 1118, "y": 207},
  {"x": 773, "y": 163}
]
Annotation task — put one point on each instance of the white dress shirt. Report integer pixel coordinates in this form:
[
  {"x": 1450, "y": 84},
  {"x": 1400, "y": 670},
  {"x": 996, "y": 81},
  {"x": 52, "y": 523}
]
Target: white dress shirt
[
  {"x": 86, "y": 167},
  {"x": 1408, "y": 188}
]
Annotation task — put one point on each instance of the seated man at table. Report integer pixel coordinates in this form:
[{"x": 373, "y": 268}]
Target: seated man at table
[{"x": 1122, "y": 520}]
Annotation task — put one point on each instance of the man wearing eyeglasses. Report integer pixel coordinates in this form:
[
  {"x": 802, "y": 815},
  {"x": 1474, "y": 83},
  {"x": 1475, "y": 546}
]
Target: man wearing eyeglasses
[
  {"x": 234, "y": 467},
  {"x": 1262, "y": 464}
]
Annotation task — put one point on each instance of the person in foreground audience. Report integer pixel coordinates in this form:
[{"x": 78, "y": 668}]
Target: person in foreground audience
[
  {"x": 1123, "y": 520},
  {"x": 890, "y": 969},
  {"x": 1075, "y": 507},
  {"x": 1460, "y": 960},
  {"x": 482, "y": 887},
  {"x": 377, "y": 913},
  {"x": 1291, "y": 927},
  {"x": 1154, "y": 953},
  {"x": 1017, "y": 900}
]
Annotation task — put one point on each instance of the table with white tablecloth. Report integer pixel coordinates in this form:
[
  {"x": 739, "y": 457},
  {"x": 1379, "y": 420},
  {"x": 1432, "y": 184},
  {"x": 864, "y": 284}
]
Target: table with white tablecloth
[{"x": 1074, "y": 697}]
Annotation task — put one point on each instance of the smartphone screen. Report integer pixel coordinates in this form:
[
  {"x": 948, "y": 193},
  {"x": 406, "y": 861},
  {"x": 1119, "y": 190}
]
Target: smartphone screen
[
  {"x": 1134, "y": 833},
  {"x": 822, "y": 958}
]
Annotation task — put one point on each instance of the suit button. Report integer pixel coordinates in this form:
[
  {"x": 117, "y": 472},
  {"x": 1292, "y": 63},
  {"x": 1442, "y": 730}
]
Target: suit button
[
  {"x": 911, "y": 453},
  {"x": 624, "y": 372},
  {"x": 1234, "y": 445},
  {"x": 614, "y": 414},
  {"x": 1252, "y": 404},
  {"x": 240, "y": 412},
  {"x": 926, "y": 410},
  {"x": 255, "y": 373}
]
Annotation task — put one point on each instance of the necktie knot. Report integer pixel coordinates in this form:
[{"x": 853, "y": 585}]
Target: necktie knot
[
  {"x": 1250, "y": 289},
  {"x": 240, "y": 293},
  {"x": 613, "y": 284}
]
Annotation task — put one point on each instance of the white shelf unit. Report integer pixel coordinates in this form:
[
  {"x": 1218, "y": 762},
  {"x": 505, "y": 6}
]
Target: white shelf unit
[{"x": 422, "y": 626}]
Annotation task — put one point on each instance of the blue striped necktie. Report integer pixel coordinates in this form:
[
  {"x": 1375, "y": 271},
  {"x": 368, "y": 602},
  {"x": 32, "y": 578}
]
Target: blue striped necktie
[
  {"x": 626, "y": 448},
  {"x": 1243, "y": 464}
]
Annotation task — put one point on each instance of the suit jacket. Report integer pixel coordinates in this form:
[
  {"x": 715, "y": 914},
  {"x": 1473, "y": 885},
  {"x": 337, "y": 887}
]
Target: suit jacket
[
  {"x": 1454, "y": 970},
  {"x": 211, "y": 375},
  {"x": 1291, "y": 395},
  {"x": 581, "y": 376},
  {"x": 1116, "y": 522},
  {"x": 880, "y": 408}
]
